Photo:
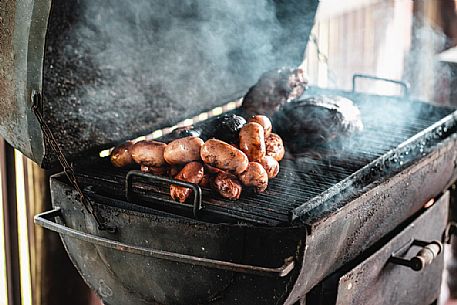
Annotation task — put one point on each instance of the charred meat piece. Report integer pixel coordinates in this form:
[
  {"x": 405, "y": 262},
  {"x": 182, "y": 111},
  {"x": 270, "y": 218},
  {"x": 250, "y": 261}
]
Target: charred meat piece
[
  {"x": 149, "y": 153},
  {"x": 121, "y": 156},
  {"x": 275, "y": 147},
  {"x": 227, "y": 185},
  {"x": 264, "y": 121},
  {"x": 225, "y": 127},
  {"x": 315, "y": 120},
  {"x": 255, "y": 176},
  {"x": 270, "y": 165},
  {"x": 223, "y": 156},
  {"x": 252, "y": 141},
  {"x": 273, "y": 89},
  {"x": 184, "y": 150},
  {"x": 181, "y": 132},
  {"x": 193, "y": 172}
]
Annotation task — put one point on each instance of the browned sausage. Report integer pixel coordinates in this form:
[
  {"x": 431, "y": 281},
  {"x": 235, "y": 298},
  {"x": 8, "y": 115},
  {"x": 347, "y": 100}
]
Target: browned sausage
[
  {"x": 174, "y": 170},
  {"x": 255, "y": 176},
  {"x": 206, "y": 181},
  {"x": 184, "y": 150},
  {"x": 212, "y": 170},
  {"x": 223, "y": 156},
  {"x": 227, "y": 185},
  {"x": 149, "y": 153},
  {"x": 252, "y": 141},
  {"x": 154, "y": 170},
  {"x": 275, "y": 147},
  {"x": 270, "y": 165},
  {"x": 193, "y": 173},
  {"x": 264, "y": 121},
  {"x": 121, "y": 156}
]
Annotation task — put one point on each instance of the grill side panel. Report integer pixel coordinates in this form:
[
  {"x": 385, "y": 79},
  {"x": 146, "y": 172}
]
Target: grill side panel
[{"x": 342, "y": 236}]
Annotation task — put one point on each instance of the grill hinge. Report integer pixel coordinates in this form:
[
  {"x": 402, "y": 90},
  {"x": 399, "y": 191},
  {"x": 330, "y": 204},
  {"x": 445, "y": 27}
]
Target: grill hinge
[{"x": 37, "y": 108}]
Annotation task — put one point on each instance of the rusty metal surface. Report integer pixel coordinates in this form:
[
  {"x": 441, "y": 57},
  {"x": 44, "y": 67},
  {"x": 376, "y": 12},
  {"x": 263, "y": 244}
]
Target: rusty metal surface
[
  {"x": 120, "y": 277},
  {"x": 378, "y": 281},
  {"x": 22, "y": 28},
  {"x": 112, "y": 73},
  {"x": 366, "y": 219}
]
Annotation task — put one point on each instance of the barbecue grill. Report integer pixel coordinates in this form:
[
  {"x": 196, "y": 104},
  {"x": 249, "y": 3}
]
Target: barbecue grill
[{"x": 327, "y": 211}]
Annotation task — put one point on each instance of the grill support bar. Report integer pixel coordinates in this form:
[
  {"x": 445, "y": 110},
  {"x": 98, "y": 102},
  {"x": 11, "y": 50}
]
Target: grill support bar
[{"x": 45, "y": 220}]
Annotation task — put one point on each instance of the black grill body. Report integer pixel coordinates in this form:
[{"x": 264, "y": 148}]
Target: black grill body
[{"x": 324, "y": 218}]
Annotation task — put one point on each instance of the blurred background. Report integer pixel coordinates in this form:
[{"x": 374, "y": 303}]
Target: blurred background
[{"x": 398, "y": 39}]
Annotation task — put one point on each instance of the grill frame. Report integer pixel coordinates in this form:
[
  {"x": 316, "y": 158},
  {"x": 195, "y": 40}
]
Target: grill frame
[{"x": 412, "y": 143}]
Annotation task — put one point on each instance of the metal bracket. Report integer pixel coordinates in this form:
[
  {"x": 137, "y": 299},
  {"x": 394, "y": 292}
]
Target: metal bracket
[
  {"x": 197, "y": 192},
  {"x": 451, "y": 229},
  {"x": 45, "y": 220},
  {"x": 402, "y": 84},
  {"x": 425, "y": 256}
]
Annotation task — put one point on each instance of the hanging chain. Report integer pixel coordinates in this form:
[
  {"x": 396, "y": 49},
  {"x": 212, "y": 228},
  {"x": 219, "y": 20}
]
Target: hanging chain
[
  {"x": 37, "y": 108},
  {"x": 323, "y": 59}
]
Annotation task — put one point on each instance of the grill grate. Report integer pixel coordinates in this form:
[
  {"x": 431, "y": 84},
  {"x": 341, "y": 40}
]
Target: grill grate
[{"x": 307, "y": 176}]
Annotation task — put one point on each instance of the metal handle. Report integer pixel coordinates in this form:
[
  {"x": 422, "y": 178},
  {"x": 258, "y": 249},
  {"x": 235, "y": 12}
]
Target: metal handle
[
  {"x": 404, "y": 85},
  {"x": 44, "y": 220},
  {"x": 424, "y": 257},
  {"x": 197, "y": 203}
]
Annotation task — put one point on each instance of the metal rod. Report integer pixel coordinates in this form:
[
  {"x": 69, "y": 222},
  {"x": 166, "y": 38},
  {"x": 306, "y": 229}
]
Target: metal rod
[{"x": 44, "y": 220}]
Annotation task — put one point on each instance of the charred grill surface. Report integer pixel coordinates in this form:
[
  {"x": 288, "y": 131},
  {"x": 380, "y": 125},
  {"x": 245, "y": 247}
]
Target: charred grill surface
[{"x": 308, "y": 183}]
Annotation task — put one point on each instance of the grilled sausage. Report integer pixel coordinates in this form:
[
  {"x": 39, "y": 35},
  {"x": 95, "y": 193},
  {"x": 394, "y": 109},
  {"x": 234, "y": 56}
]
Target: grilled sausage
[
  {"x": 193, "y": 173},
  {"x": 252, "y": 141},
  {"x": 121, "y": 156},
  {"x": 184, "y": 150},
  {"x": 154, "y": 170},
  {"x": 223, "y": 156},
  {"x": 206, "y": 181},
  {"x": 227, "y": 185},
  {"x": 270, "y": 165},
  {"x": 149, "y": 153},
  {"x": 264, "y": 121},
  {"x": 275, "y": 147},
  {"x": 174, "y": 170},
  {"x": 212, "y": 170},
  {"x": 255, "y": 176}
]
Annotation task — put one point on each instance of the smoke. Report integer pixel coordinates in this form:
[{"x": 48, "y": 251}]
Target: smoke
[{"x": 177, "y": 56}]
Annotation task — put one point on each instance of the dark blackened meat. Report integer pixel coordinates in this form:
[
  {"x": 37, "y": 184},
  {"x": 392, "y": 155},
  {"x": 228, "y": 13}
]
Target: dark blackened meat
[
  {"x": 273, "y": 89},
  {"x": 316, "y": 120},
  {"x": 181, "y": 132},
  {"x": 224, "y": 127}
]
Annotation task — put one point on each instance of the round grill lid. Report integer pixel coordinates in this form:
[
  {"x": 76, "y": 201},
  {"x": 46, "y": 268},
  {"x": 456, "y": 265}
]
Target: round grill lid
[{"x": 109, "y": 71}]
